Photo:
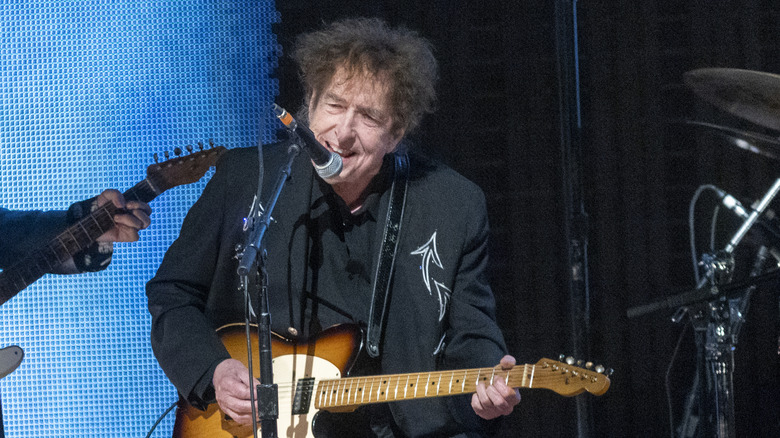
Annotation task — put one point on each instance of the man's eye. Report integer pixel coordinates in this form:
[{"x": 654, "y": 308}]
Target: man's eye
[{"x": 370, "y": 119}]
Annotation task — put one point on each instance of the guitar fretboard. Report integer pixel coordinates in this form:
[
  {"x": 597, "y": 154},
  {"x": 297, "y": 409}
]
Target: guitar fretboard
[
  {"x": 354, "y": 391},
  {"x": 65, "y": 245}
]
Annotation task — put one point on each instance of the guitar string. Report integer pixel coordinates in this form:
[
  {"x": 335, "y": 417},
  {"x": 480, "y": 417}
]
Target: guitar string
[
  {"x": 338, "y": 397},
  {"x": 469, "y": 375}
]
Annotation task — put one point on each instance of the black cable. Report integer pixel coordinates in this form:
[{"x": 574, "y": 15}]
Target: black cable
[
  {"x": 666, "y": 379},
  {"x": 157, "y": 423}
]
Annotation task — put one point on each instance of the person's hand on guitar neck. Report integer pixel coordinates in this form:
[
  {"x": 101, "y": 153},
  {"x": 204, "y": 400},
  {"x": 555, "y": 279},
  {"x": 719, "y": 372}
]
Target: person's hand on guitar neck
[
  {"x": 498, "y": 399},
  {"x": 132, "y": 218},
  {"x": 232, "y": 390}
]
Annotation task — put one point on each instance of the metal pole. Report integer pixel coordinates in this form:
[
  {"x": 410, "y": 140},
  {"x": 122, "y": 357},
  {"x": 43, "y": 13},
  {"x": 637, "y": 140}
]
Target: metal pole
[{"x": 576, "y": 221}]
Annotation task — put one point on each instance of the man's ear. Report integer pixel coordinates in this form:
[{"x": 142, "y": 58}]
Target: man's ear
[
  {"x": 313, "y": 99},
  {"x": 398, "y": 136}
]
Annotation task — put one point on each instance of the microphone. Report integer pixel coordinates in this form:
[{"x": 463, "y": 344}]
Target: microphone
[
  {"x": 327, "y": 164},
  {"x": 767, "y": 223},
  {"x": 732, "y": 204}
]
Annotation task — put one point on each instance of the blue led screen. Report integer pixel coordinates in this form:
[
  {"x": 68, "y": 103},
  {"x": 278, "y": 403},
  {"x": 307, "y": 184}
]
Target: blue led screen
[{"x": 90, "y": 91}]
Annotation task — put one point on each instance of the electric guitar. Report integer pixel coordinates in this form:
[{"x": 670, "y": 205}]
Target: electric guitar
[
  {"x": 313, "y": 372},
  {"x": 160, "y": 177}
]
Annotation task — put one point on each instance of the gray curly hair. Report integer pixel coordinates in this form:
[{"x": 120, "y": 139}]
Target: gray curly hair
[{"x": 369, "y": 47}]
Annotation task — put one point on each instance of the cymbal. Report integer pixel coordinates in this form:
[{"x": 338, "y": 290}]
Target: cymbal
[
  {"x": 750, "y": 141},
  {"x": 752, "y": 95}
]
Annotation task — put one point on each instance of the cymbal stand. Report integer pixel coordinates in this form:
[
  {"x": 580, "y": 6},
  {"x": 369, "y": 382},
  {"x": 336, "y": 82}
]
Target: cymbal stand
[{"x": 717, "y": 325}]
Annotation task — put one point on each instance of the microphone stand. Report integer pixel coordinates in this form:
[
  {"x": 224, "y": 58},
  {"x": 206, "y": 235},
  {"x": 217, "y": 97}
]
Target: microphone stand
[{"x": 267, "y": 391}]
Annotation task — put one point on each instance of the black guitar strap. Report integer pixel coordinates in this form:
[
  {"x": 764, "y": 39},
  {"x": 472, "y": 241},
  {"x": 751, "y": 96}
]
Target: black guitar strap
[{"x": 384, "y": 269}]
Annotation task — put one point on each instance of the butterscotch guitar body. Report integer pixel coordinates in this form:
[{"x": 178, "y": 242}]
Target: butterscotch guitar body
[{"x": 296, "y": 368}]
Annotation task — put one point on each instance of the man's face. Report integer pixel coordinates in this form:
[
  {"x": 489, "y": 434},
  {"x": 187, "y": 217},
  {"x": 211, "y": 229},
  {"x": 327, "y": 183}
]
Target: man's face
[{"x": 351, "y": 117}]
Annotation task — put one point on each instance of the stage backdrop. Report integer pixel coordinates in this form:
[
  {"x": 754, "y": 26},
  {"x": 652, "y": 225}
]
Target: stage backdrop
[{"x": 90, "y": 91}]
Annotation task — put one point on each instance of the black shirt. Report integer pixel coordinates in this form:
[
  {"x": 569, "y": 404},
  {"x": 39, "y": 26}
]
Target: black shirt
[{"x": 342, "y": 243}]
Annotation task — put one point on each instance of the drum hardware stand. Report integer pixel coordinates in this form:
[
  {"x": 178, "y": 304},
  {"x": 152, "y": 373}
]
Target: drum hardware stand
[
  {"x": 717, "y": 324},
  {"x": 717, "y": 313}
]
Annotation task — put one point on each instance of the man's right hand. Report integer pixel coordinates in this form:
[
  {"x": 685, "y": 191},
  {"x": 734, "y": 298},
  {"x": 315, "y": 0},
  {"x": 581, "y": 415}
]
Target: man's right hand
[{"x": 232, "y": 390}]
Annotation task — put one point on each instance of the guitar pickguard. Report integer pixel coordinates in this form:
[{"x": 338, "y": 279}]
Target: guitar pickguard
[
  {"x": 300, "y": 372},
  {"x": 10, "y": 358}
]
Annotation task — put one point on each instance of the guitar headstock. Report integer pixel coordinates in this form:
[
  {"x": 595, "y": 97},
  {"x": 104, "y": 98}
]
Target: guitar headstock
[
  {"x": 183, "y": 169},
  {"x": 568, "y": 379}
]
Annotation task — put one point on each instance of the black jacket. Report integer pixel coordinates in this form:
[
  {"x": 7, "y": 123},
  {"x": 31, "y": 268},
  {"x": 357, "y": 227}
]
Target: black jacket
[
  {"x": 441, "y": 311},
  {"x": 23, "y": 232}
]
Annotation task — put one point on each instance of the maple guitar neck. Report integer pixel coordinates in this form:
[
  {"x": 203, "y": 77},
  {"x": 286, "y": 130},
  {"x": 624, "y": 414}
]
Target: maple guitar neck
[
  {"x": 345, "y": 394},
  {"x": 82, "y": 234}
]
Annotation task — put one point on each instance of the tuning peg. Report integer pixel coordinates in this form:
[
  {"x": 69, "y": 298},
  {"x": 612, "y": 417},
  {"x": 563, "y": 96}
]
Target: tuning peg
[
  {"x": 156, "y": 158},
  {"x": 189, "y": 148},
  {"x": 200, "y": 145},
  {"x": 599, "y": 369},
  {"x": 177, "y": 151},
  {"x": 167, "y": 155},
  {"x": 609, "y": 372},
  {"x": 561, "y": 357},
  {"x": 588, "y": 364},
  {"x": 580, "y": 362},
  {"x": 211, "y": 143},
  {"x": 570, "y": 360}
]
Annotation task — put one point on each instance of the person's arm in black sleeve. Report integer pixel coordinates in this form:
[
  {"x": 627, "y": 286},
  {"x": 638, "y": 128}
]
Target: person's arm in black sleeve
[
  {"x": 183, "y": 339},
  {"x": 25, "y": 232},
  {"x": 474, "y": 338},
  {"x": 22, "y": 232}
]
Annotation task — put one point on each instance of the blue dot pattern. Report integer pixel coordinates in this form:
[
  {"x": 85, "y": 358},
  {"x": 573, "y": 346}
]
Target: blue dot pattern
[{"x": 90, "y": 91}]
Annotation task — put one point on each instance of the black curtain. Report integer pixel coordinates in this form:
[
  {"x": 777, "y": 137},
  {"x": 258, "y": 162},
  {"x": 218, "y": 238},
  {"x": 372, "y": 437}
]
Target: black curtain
[{"x": 498, "y": 124}]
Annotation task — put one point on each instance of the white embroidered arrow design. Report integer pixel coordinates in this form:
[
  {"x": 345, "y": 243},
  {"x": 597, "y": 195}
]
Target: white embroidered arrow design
[{"x": 431, "y": 256}]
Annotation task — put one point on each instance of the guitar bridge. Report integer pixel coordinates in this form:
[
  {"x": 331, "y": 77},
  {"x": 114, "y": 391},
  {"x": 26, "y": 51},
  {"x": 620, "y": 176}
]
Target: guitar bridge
[{"x": 302, "y": 400}]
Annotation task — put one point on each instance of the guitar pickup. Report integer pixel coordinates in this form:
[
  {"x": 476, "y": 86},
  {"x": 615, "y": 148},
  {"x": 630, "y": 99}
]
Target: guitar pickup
[{"x": 302, "y": 400}]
